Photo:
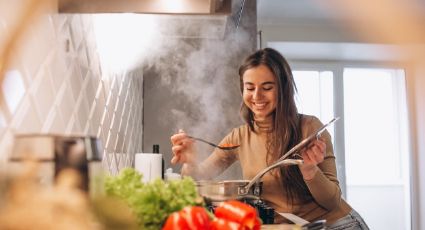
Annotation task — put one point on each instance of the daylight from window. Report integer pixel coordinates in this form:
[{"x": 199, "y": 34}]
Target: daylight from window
[{"x": 375, "y": 149}]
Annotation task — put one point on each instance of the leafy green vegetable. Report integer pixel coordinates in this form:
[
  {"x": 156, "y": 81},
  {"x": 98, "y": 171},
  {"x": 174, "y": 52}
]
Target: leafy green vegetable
[{"x": 152, "y": 202}]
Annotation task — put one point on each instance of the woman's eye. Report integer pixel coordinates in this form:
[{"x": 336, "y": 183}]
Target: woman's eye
[
  {"x": 250, "y": 89},
  {"x": 267, "y": 88}
]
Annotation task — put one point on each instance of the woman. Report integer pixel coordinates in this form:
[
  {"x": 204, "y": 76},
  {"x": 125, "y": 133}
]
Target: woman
[{"x": 273, "y": 126}]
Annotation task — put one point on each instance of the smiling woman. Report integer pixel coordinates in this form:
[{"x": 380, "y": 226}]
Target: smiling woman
[{"x": 273, "y": 126}]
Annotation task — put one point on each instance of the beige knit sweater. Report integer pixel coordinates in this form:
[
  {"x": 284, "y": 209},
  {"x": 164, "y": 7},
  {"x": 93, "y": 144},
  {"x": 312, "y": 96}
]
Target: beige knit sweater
[{"x": 327, "y": 204}]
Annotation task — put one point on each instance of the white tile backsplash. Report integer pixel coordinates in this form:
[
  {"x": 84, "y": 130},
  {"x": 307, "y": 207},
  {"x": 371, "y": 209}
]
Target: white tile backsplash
[
  {"x": 57, "y": 125},
  {"x": 82, "y": 111},
  {"x": 67, "y": 103},
  {"x": 75, "y": 80},
  {"x": 90, "y": 89},
  {"x": 44, "y": 96},
  {"x": 63, "y": 90},
  {"x": 30, "y": 121}
]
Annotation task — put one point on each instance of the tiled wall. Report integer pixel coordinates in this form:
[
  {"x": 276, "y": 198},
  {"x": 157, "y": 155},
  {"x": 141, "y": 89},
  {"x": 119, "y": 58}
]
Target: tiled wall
[{"x": 55, "y": 84}]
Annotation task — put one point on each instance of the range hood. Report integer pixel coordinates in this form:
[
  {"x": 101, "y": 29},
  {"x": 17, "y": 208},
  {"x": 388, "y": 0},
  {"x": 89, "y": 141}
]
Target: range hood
[{"x": 203, "y": 7}]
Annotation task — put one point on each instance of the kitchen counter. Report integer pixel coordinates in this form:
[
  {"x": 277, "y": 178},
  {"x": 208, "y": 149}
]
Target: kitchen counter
[{"x": 280, "y": 227}]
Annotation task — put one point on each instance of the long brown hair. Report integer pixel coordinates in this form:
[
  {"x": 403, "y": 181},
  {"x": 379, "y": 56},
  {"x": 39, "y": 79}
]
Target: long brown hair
[{"x": 286, "y": 120}]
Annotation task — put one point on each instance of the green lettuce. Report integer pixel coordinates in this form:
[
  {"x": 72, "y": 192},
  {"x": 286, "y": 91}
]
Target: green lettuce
[{"x": 152, "y": 202}]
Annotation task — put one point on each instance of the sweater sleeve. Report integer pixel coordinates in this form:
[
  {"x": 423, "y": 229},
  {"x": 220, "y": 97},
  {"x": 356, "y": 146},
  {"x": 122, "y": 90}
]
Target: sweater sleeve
[
  {"x": 218, "y": 160},
  {"x": 324, "y": 186}
]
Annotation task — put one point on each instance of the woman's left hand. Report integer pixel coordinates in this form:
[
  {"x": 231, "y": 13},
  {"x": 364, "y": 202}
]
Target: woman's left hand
[{"x": 313, "y": 155}]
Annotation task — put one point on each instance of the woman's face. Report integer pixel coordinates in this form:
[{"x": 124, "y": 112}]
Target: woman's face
[{"x": 260, "y": 91}]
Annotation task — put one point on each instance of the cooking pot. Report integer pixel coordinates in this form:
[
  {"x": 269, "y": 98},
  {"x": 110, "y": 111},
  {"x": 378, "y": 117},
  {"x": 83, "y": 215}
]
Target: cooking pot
[{"x": 217, "y": 191}]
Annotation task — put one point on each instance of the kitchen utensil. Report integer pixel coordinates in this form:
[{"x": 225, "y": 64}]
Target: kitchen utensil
[
  {"x": 214, "y": 145},
  {"x": 218, "y": 191},
  {"x": 254, "y": 180},
  {"x": 311, "y": 137},
  {"x": 236, "y": 189}
]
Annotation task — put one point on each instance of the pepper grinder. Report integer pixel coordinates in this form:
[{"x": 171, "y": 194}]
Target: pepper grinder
[{"x": 156, "y": 150}]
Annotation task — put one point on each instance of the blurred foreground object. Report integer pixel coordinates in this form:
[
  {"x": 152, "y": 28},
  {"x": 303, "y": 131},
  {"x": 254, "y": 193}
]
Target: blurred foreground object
[
  {"x": 27, "y": 204},
  {"x": 55, "y": 153},
  {"x": 392, "y": 22},
  {"x": 31, "y": 11},
  {"x": 31, "y": 206}
]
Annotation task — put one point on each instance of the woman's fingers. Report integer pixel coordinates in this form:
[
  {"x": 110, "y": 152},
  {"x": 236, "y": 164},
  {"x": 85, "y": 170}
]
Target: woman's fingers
[
  {"x": 313, "y": 155},
  {"x": 315, "y": 152},
  {"x": 308, "y": 156},
  {"x": 177, "y": 138},
  {"x": 176, "y": 149},
  {"x": 321, "y": 145},
  {"x": 181, "y": 147},
  {"x": 175, "y": 159}
]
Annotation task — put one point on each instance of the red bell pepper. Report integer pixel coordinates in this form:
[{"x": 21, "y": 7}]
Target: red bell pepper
[
  {"x": 230, "y": 215},
  {"x": 223, "y": 224},
  {"x": 238, "y": 212},
  {"x": 189, "y": 218},
  {"x": 196, "y": 217},
  {"x": 175, "y": 222}
]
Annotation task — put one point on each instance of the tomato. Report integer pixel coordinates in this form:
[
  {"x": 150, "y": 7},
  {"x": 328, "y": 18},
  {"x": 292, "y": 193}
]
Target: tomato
[
  {"x": 176, "y": 222},
  {"x": 238, "y": 212},
  {"x": 223, "y": 224}
]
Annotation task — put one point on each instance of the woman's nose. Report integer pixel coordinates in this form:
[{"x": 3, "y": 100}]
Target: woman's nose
[{"x": 257, "y": 94}]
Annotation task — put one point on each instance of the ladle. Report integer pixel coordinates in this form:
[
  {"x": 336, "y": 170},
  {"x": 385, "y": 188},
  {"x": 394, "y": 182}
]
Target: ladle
[{"x": 214, "y": 145}]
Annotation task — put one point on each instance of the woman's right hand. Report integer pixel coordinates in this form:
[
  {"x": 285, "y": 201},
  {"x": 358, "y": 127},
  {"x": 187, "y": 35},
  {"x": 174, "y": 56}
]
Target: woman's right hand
[{"x": 183, "y": 151}]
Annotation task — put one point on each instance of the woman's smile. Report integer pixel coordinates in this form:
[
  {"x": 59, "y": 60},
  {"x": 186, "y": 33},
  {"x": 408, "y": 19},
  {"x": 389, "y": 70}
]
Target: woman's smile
[{"x": 259, "y": 105}]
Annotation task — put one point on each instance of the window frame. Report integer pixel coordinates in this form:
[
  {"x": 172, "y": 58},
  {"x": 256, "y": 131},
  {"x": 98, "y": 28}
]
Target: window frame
[{"x": 337, "y": 68}]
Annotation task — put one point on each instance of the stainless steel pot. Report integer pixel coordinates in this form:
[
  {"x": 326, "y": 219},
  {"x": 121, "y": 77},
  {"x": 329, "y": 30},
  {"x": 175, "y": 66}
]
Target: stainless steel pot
[{"x": 217, "y": 191}]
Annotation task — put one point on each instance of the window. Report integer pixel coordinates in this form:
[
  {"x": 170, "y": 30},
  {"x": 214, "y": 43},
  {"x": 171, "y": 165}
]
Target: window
[
  {"x": 376, "y": 153},
  {"x": 372, "y": 153},
  {"x": 315, "y": 94}
]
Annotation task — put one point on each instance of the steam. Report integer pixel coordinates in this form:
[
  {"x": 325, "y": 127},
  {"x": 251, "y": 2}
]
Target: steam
[
  {"x": 193, "y": 56},
  {"x": 206, "y": 74}
]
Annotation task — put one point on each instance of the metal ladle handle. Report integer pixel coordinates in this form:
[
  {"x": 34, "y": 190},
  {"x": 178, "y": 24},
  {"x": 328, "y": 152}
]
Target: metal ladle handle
[{"x": 254, "y": 180}]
